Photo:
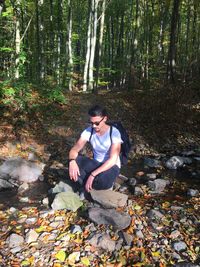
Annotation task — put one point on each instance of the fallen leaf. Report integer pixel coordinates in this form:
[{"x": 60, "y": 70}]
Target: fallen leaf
[{"x": 61, "y": 255}]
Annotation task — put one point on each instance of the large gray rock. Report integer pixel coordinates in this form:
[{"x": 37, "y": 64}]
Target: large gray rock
[
  {"x": 66, "y": 200},
  {"x": 119, "y": 220},
  {"x": 103, "y": 241},
  {"x": 176, "y": 162},
  {"x": 21, "y": 169},
  {"x": 5, "y": 184},
  {"x": 109, "y": 198},
  {"x": 158, "y": 185}
]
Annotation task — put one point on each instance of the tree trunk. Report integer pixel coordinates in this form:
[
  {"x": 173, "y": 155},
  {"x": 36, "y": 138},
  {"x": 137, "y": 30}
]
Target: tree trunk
[
  {"x": 100, "y": 42},
  {"x": 70, "y": 46},
  {"x": 172, "y": 45},
  {"x": 17, "y": 39},
  {"x": 85, "y": 74},
  {"x": 93, "y": 44}
]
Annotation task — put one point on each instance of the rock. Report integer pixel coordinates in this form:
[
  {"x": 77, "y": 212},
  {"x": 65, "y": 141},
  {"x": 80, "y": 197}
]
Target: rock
[
  {"x": 103, "y": 241},
  {"x": 22, "y": 188},
  {"x": 192, "y": 192},
  {"x": 16, "y": 249},
  {"x": 123, "y": 189},
  {"x": 176, "y": 162},
  {"x": 174, "y": 234},
  {"x": 151, "y": 176},
  {"x": 119, "y": 220},
  {"x": 5, "y": 184},
  {"x": 31, "y": 220},
  {"x": 139, "y": 234},
  {"x": 45, "y": 201},
  {"x": 76, "y": 229},
  {"x": 31, "y": 236},
  {"x": 155, "y": 214},
  {"x": 132, "y": 182},
  {"x": 121, "y": 178},
  {"x": 66, "y": 200},
  {"x": 179, "y": 246},
  {"x": 61, "y": 187},
  {"x": 15, "y": 240},
  {"x": 152, "y": 163},
  {"x": 127, "y": 238},
  {"x": 21, "y": 169},
  {"x": 158, "y": 185},
  {"x": 138, "y": 191},
  {"x": 13, "y": 210},
  {"x": 186, "y": 264},
  {"x": 32, "y": 156},
  {"x": 109, "y": 198}
]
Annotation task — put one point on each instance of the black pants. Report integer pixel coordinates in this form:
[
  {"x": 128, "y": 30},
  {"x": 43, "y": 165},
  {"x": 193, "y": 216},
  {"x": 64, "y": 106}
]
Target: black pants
[{"x": 102, "y": 181}]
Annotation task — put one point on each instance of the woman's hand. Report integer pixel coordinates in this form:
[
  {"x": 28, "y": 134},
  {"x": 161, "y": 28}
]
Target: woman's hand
[
  {"x": 73, "y": 170},
  {"x": 88, "y": 185}
]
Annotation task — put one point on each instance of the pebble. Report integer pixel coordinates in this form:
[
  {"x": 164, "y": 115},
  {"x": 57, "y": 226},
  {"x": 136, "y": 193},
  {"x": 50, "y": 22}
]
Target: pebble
[
  {"x": 76, "y": 229},
  {"x": 31, "y": 220},
  {"x": 15, "y": 240},
  {"x": 31, "y": 236},
  {"x": 192, "y": 192},
  {"x": 179, "y": 246}
]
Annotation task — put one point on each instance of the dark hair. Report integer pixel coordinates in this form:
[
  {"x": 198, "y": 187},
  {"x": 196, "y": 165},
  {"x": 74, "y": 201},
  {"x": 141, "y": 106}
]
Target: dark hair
[{"x": 97, "y": 111}]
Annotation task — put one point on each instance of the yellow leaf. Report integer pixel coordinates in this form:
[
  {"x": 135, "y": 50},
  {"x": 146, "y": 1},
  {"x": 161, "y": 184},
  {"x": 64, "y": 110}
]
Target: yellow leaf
[
  {"x": 40, "y": 229},
  {"x": 25, "y": 263},
  {"x": 61, "y": 255},
  {"x": 85, "y": 261},
  {"x": 155, "y": 254},
  {"x": 137, "y": 207}
]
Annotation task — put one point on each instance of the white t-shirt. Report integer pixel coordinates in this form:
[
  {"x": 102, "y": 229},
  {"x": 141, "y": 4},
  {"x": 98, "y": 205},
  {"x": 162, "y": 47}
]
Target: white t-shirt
[{"x": 101, "y": 144}]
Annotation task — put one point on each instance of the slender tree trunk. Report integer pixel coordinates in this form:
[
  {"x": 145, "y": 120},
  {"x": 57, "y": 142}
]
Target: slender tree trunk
[
  {"x": 100, "y": 42},
  {"x": 70, "y": 46},
  {"x": 85, "y": 74},
  {"x": 172, "y": 45},
  {"x": 38, "y": 46},
  {"x": 17, "y": 38},
  {"x": 93, "y": 44}
]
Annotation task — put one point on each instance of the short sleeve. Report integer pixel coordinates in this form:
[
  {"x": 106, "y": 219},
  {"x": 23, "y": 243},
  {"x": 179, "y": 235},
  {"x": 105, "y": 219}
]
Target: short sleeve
[
  {"x": 116, "y": 136},
  {"x": 86, "y": 133}
]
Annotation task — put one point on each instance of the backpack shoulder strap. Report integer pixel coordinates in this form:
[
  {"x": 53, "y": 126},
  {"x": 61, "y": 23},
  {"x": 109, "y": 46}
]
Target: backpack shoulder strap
[
  {"x": 91, "y": 134},
  {"x": 111, "y": 128}
]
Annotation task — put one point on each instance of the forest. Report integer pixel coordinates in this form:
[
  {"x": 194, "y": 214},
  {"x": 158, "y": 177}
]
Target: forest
[{"x": 141, "y": 60}]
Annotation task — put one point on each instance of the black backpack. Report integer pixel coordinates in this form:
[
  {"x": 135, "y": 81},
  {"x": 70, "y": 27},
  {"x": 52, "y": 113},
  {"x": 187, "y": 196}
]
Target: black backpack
[{"x": 125, "y": 146}]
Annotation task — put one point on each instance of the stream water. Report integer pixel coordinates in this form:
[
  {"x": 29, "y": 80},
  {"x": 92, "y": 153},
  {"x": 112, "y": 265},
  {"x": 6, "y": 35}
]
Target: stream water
[{"x": 188, "y": 175}]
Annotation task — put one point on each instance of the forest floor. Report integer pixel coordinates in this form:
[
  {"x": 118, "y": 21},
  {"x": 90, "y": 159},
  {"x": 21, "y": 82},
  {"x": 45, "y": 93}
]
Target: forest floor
[{"x": 158, "y": 121}]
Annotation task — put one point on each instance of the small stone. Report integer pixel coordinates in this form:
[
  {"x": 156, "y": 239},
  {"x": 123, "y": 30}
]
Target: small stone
[
  {"x": 192, "y": 192},
  {"x": 175, "y": 234},
  {"x": 45, "y": 201},
  {"x": 138, "y": 191},
  {"x": 158, "y": 185},
  {"x": 128, "y": 239},
  {"x": 15, "y": 240},
  {"x": 31, "y": 220},
  {"x": 155, "y": 214},
  {"x": 139, "y": 234},
  {"x": 24, "y": 199},
  {"x": 13, "y": 210},
  {"x": 152, "y": 163},
  {"x": 31, "y": 236},
  {"x": 76, "y": 229},
  {"x": 132, "y": 182},
  {"x": 179, "y": 246},
  {"x": 151, "y": 176}
]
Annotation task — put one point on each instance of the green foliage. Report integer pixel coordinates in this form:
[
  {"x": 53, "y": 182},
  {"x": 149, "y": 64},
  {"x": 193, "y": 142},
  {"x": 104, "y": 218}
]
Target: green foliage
[
  {"x": 16, "y": 95},
  {"x": 55, "y": 95}
]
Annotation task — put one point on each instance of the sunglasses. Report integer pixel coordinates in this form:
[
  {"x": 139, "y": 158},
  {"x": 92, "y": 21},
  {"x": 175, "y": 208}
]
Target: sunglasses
[{"x": 96, "y": 123}]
